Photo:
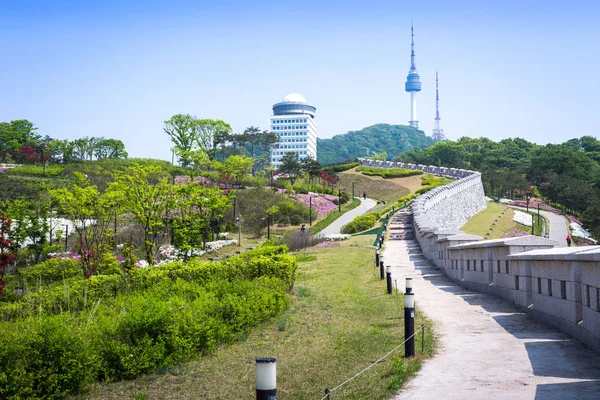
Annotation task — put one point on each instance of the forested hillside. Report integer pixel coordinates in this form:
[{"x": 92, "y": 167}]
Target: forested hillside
[
  {"x": 375, "y": 139},
  {"x": 567, "y": 173}
]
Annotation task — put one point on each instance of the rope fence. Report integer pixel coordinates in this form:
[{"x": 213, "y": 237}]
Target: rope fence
[{"x": 421, "y": 329}]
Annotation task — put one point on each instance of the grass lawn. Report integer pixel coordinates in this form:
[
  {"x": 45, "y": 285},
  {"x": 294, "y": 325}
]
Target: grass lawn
[
  {"x": 376, "y": 187},
  {"x": 481, "y": 223},
  {"x": 339, "y": 322}
]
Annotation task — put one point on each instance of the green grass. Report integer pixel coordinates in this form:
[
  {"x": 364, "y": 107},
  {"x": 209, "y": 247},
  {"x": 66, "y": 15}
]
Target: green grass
[
  {"x": 380, "y": 189},
  {"x": 340, "y": 321},
  {"x": 502, "y": 216},
  {"x": 332, "y": 216}
]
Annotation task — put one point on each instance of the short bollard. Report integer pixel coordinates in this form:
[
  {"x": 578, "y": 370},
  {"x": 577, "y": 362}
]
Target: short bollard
[
  {"x": 388, "y": 275},
  {"x": 408, "y": 285},
  {"x": 381, "y": 270},
  {"x": 377, "y": 258},
  {"x": 266, "y": 379},
  {"x": 409, "y": 325}
]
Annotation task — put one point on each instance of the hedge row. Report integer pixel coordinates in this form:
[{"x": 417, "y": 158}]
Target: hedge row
[
  {"x": 361, "y": 223},
  {"x": 341, "y": 167},
  {"x": 389, "y": 172},
  {"x": 154, "y": 318}
]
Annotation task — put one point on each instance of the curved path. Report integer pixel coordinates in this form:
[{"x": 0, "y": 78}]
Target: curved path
[
  {"x": 558, "y": 226},
  {"x": 336, "y": 226},
  {"x": 488, "y": 348}
]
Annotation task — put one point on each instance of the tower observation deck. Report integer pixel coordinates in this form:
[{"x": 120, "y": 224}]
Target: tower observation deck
[{"x": 413, "y": 84}]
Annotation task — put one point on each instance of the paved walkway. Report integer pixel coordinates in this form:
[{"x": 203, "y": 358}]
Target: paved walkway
[
  {"x": 558, "y": 227},
  {"x": 488, "y": 348},
  {"x": 336, "y": 226}
]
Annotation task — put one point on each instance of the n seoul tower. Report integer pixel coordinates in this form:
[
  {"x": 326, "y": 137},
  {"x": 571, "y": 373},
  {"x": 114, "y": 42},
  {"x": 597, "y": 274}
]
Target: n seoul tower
[
  {"x": 438, "y": 133},
  {"x": 413, "y": 84}
]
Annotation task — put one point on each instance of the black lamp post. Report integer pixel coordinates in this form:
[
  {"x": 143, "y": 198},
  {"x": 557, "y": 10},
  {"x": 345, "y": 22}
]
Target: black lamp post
[
  {"x": 310, "y": 210},
  {"x": 268, "y": 226},
  {"x": 66, "y": 237},
  {"x": 340, "y": 199},
  {"x": 352, "y": 191}
]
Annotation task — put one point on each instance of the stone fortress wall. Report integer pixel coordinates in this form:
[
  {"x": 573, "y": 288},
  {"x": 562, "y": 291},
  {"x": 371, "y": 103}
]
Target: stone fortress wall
[{"x": 558, "y": 286}]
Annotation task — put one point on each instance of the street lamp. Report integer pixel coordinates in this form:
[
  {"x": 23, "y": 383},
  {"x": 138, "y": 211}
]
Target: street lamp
[
  {"x": 239, "y": 222},
  {"x": 310, "y": 210},
  {"x": 66, "y": 237},
  {"x": 352, "y": 191},
  {"x": 268, "y": 226}
]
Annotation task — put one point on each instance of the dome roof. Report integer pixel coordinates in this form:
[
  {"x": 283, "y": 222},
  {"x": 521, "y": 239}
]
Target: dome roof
[{"x": 295, "y": 98}]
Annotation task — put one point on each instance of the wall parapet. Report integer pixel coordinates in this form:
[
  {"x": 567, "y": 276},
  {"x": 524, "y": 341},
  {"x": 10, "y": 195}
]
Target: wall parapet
[{"x": 558, "y": 286}]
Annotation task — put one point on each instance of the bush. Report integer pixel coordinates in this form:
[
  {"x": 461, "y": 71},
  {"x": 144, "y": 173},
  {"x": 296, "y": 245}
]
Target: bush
[
  {"x": 341, "y": 167},
  {"x": 34, "y": 170},
  {"x": 388, "y": 172},
  {"x": 298, "y": 240},
  {"x": 361, "y": 223},
  {"x": 152, "y": 318}
]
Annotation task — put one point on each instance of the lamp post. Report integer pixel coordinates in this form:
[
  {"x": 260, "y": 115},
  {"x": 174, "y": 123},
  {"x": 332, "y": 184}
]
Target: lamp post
[
  {"x": 409, "y": 320},
  {"x": 352, "y": 191},
  {"x": 310, "y": 210},
  {"x": 381, "y": 269},
  {"x": 388, "y": 275},
  {"x": 66, "y": 237},
  {"x": 266, "y": 378},
  {"x": 268, "y": 226},
  {"x": 239, "y": 222},
  {"x": 340, "y": 199}
]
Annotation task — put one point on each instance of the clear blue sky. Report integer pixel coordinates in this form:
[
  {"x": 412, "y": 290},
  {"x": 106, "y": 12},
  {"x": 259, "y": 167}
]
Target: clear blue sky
[{"x": 120, "y": 68}]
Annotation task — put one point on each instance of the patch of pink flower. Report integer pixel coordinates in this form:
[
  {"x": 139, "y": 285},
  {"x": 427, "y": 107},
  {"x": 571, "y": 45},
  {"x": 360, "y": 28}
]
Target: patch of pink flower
[
  {"x": 320, "y": 204},
  {"x": 327, "y": 244},
  {"x": 514, "y": 233}
]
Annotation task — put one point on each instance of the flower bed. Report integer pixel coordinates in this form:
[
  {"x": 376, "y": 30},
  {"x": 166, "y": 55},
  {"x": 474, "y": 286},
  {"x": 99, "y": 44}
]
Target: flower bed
[
  {"x": 335, "y": 237},
  {"x": 170, "y": 253},
  {"x": 522, "y": 218},
  {"x": 320, "y": 204},
  {"x": 578, "y": 231},
  {"x": 514, "y": 233}
]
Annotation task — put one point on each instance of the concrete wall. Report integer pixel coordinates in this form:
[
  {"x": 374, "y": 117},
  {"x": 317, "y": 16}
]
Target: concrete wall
[{"x": 559, "y": 286}]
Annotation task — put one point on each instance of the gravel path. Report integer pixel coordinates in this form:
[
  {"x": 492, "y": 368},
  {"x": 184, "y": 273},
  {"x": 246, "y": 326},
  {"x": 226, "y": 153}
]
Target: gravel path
[
  {"x": 488, "y": 348},
  {"x": 336, "y": 226}
]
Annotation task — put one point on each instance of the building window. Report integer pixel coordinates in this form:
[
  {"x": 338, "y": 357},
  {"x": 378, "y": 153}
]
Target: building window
[
  {"x": 506, "y": 266},
  {"x": 481, "y": 265},
  {"x": 516, "y": 282},
  {"x": 550, "y": 287},
  {"x": 539, "y": 285},
  {"x": 498, "y": 266},
  {"x": 468, "y": 265},
  {"x": 563, "y": 290}
]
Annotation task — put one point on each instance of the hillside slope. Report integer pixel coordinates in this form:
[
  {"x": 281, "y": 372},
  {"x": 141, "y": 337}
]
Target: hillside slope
[{"x": 393, "y": 139}]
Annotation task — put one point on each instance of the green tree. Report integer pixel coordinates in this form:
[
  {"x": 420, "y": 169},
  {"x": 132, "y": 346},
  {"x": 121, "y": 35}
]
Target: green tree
[
  {"x": 145, "y": 192},
  {"x": 291, "y": 166},
  {"x": 109, "y": 148},
  {"x": 183, "y": 131},
  {"x": 312, "y": 167},
  {"x": 235, "y": 168},
  {"x": 211, "y": 135}
]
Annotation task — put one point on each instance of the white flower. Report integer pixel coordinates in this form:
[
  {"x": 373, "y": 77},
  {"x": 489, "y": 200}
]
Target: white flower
[
  {"x": 578, "y": 231},
  {"x": 336, "y": 237},
  {"x": 522, "y": 218}
]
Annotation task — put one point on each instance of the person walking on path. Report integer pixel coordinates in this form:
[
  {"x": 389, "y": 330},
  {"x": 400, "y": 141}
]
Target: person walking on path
[
  {"x": 568, "y": 241},
  {"x": 364, "y": 195}
]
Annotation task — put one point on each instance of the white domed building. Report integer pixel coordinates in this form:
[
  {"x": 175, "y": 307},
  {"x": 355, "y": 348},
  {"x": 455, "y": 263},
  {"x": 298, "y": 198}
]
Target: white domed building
[{"x": 293, "y": 122}]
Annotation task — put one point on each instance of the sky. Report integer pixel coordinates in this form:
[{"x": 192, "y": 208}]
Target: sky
[{"x": 119, "y": 69}]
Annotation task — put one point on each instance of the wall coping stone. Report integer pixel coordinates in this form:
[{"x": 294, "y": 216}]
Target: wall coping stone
[
  {"x": 514, "y": 241},
  {"x": 587, "y": 253},
  {"x": 462, "y": 236}
]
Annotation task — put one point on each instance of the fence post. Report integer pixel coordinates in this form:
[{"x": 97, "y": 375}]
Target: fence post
[
  {"x": 328, "y": 393},
  {"x": 422, "y": 338},
  {"x": 266, "y": 378},
  {"x": 381, "y": 271},
  {"x": 377, "y": 258}
]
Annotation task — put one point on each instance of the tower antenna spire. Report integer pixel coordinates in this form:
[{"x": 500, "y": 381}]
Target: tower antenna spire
[
  {"x": 413, "y": 84},
  {"x": 438, "y": 133}
]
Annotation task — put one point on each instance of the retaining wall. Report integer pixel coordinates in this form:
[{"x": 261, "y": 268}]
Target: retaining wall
[{"x": 558, "y": 286}]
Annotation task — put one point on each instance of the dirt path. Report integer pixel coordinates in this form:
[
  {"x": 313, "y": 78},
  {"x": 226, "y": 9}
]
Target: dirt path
[{"x": 488, "y": 348}]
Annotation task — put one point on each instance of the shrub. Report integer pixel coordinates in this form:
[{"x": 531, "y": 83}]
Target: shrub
[
  {"x": 34, "y": 170},
  {"x": 388, "y": 172},
  {"x": 361, "y": 223},
  {"x": 48, "y": 272},
  {"x": 341, "y": 167},
  {"x": 298, "y": 240}
]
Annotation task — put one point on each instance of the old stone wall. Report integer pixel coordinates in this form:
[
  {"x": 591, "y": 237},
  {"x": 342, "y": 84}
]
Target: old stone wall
[{"x": 559, "y": 286}]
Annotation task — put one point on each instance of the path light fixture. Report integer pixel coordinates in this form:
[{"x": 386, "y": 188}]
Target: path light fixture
[
  {"x": 266, "y": 378},
  {"x": 409, "y": 325},
  {"x": 268, "y": 226},
  {"x": 239, "y": 224}
]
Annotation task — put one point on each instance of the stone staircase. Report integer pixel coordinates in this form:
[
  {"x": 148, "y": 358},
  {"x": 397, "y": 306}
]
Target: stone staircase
[{"x": 401, "y": 226}]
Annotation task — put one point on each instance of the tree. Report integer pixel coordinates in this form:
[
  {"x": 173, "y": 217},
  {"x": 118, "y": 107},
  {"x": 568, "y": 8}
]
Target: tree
[
  {"x": 235, "y": 167},
  {"x": 30, "y": 226},
  {"x": 109, "y": 148},
  {"x": 89, "y": 212},
  {"x": 183, "y": 131},
  {"x": 311, "y": 166},
  {"x": 212, "y": 134},
  {"x": 290, "y": 166},
  {"x": 192, "y": 210},
  {"x": 144, "y": 191},
  {"x": 380, "y": 156}
]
